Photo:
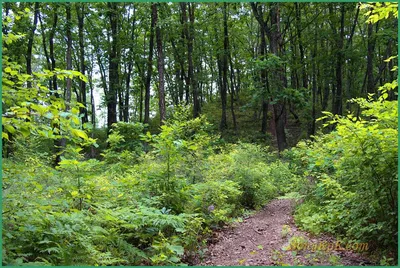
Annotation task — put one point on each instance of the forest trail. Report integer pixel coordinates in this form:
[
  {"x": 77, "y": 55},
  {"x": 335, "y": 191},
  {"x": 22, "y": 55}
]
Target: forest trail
[{"x": 259, "y": 240}]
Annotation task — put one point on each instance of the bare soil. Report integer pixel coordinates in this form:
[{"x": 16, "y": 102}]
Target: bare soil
[{"x": 263, "y": 239}]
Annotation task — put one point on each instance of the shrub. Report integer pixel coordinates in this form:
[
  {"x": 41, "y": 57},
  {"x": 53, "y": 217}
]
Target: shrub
[
  {"x": 354, "y": 163},
  {"x": 125, "y": 145},
  {"x": 216, "y": 200}
]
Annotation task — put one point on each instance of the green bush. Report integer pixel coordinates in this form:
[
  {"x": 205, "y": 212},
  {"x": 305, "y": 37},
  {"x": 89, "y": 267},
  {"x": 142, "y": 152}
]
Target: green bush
[
  {"x": 125, "y": 145},
  {"x": 354, "y": 163},
  {"x": 216, "y": 200}
]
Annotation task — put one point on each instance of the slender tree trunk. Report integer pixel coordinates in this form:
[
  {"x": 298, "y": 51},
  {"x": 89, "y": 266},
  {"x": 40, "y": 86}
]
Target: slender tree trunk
[
  {"x": 326, "y": 90},
  {"x": 113, "y": 66},
  {"x": 57, "y": 143},
  {"x": 46, "y": 53},
  {"x": 265, "y": 85},
  {"x": 68, "y": 57},
  {"x": 311, "y": 129},
  {"x": 63, "y": 142},
  {"x": 129, "y": 70},
  {"x": 184, "y": 35},
  {"x": 192, "y": 82},
  {"x": 225, "y": 66},
  {"x": 301, "y": 47},
  {"x": 120, "y": 104},
  {"x": 149, "y": 71},
  {"x": 80, "y": 11},
  {"x": 279, "y": 108},
  {"x": 264, "y": 30},
  {"x": 93, "y": 106},
  {"x": 370, "y": 59},
  {"x": 338, "y": 97},
  {"x": 160, "y": 63},
  {"x": 30, "y": 43}
]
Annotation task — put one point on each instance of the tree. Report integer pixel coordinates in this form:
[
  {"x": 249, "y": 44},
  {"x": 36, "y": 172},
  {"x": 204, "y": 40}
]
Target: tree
[
  {"x": 149, "y": 68},
  {"x": 160, "y": 63},
  {"x": 113, "y": 71}
]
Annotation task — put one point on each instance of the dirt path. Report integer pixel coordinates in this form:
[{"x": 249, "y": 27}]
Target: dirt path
[{"x": 261, "y": 240}]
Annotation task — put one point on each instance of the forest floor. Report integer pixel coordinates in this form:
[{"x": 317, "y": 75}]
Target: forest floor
[{"x": 261, "y": 239}]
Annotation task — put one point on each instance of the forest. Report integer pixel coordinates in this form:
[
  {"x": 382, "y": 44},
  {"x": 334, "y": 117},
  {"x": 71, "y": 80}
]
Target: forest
[{"x": 150, "y": 133}]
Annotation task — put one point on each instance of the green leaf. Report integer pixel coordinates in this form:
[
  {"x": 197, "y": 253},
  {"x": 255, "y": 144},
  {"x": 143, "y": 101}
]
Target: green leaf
[
  {"x": 177, "y": 249},
  {"x": 4, "y": 136},
  {"x": 10, "y": 128},
  {"x": 80, "y": 133}
]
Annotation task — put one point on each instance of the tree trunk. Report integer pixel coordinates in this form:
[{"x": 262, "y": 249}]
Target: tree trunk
[
  {"x": 113, "y": 75},
  {"x": 301, "y": 47},
  {"x": 30, "y": 43},
  {"x": 82, "y": 84},
  {"x": 184, "y": 35},
  {"x": 192, "y": 82},
  {"x": 337, "y": 104},
  {"x": 225, "y": 66},
  {"x": 149, "y": 71},
  {"x": 46, "y": 53},
  {"x": 311, "y": 129},
  {"x": 160, "y": 63},
  {"x": 279, "y": 107},
  {"x": 63, "y": 142},
  {"x": 370, "y": 59}
]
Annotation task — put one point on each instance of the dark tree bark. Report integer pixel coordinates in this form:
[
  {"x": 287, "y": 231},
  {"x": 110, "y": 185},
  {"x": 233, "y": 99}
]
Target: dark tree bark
[
  {"x": 264, "y": 81},
  {"x": 258, "y": 13},
  {"x": 227, "y": 54},
  {"x": 113, "y": 75},
  {"x": 275, "y": 37},
  {"x": 61, "y": 144},
  {"x": 30, "y": 42},
  {"x": 326, "y": 90},
  {"x": 68, "y": 56},
  {"x": 80, "y": 12},
  {"x": 54, "y": 79},
  {"x": 338, "y": 96},
  {"x": 311, "y": 127},
  {"x": 370, "y": 59},
  {"x": 193, "y": 83},
  {"x": 160, "y": 65},
  {"x": 223, "y": 74},
  {"x": 125, "y": 104},
  {"x": 279, "y": 107},
  {"x": 301, "y": 47},
  {"x": 149, "y": 71},
  {"x": 184, "y": 36},
  {"x": 44, "y": 43}
]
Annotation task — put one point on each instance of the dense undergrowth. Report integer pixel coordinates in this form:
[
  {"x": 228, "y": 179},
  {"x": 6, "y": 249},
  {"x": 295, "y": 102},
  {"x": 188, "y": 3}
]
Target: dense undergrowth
[
  {"x": 133, "y": 208},
  {"x": 154, "y": 199},
  {"x": 352, "y": 177}
]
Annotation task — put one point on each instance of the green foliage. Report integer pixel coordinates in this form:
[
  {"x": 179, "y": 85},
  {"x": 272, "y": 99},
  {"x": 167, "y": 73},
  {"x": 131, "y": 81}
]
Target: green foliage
[
  {"x": 125, "y": 146},
  {"x": 354, "y": 163},
  {"x": 35, "y": 110},
  {"x": 216, "y": 200},
  {"x": 379, "y": 11}
]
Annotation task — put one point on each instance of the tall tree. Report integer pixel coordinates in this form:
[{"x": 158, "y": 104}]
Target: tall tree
[
  {"x": 191, "y": 77},
  {"x": 160, "y": 63},
  {"x": 113, "y": 69},
  {"x": 61, "y": 144},
  {"x": 227, "y": 55},
  {"x": 149, "y": 69},
  {"x": 80, "y": 12},
  {"x": 30, "y": 42}
]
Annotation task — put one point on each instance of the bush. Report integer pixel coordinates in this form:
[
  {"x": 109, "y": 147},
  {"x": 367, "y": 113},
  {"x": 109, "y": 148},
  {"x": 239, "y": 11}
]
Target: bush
[
  {"x": 354, "y": 163},
  {"x": 125, "y": 145},
  {"x": 216, "y": 200}
]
